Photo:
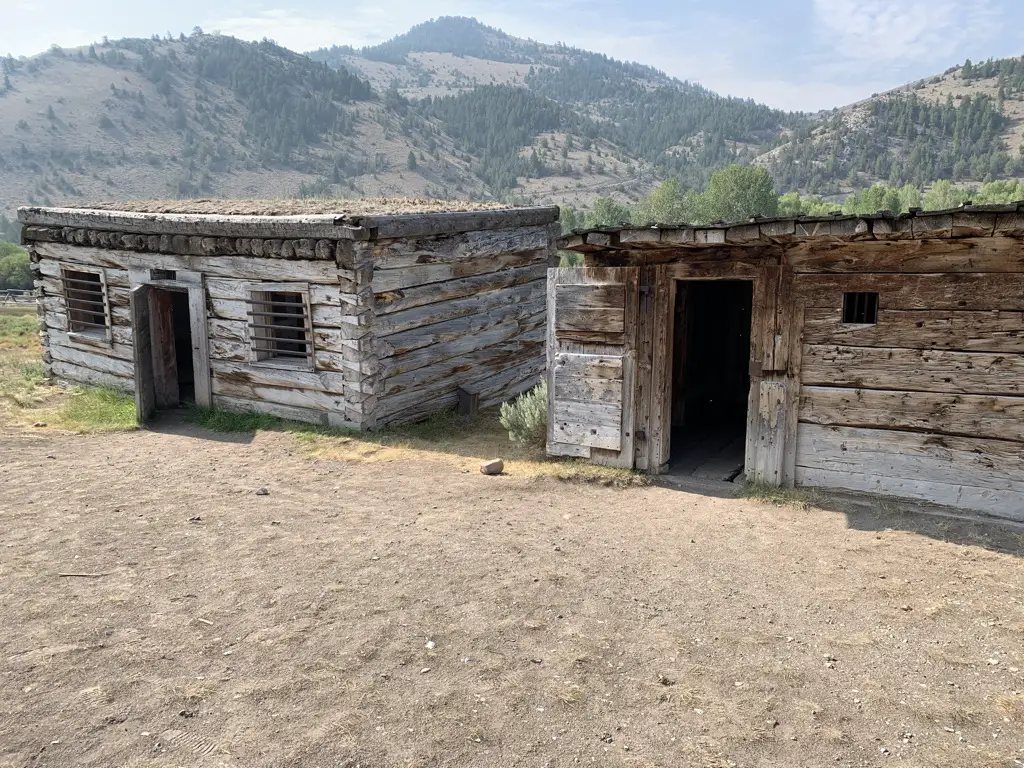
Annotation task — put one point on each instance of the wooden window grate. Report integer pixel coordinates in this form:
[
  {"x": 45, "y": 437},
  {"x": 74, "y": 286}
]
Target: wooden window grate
[
  {"x": 280, "y": 327},
  {"x": 85, "y": 296},
  {"x": 860, "y": 308}
]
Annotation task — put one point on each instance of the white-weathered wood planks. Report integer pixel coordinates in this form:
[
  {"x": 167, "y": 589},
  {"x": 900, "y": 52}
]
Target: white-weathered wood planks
[
  {"x": 965, "y": 331},
  {"x": 926, "y": 370},
  {"x": 1000, "y": 418}
]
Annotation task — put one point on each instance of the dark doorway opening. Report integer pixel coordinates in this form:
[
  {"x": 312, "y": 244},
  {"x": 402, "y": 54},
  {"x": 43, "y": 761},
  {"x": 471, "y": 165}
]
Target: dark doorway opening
[
  {"x": 183, "y": 347},
  {"x": 711, "y": 378},
  {"x": 173, "y": 374}
]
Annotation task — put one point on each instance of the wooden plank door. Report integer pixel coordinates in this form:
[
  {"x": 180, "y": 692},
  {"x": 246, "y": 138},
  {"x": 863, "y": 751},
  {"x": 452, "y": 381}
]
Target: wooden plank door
[
  {"x": 142, "y": 352},
  {"x": 592, "y": 340},
  {"x": 165, "y": 360}
]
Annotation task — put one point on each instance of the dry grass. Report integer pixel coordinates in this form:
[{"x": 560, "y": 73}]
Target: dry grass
[
  {"x": 27, "y": 398},
  {"x": 802, "y": 498},
  {"x": 21, "y": 370},
  {"x": 458, "y": 441}
]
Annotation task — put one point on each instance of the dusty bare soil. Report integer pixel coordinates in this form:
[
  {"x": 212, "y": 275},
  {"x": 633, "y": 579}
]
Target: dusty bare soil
[{"x": 410, "y": 613}]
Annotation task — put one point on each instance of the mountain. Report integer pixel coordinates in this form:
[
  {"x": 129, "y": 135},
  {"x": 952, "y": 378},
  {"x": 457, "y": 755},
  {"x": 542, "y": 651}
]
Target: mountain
[
  {"x": 965, "y": 125},
  {"x": 454, "y": 108}
]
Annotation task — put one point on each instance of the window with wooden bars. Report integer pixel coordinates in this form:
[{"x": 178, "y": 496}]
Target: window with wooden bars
[
  {"x": 85, "y": 297},
  {"x": 860, "y": 308},
  {"x": 280, "y": 326}
]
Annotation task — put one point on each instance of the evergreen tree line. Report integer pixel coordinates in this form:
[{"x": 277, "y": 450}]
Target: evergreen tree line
[
  {"x": 494, "y": 123},
  {"x": 449, "y": 34},
  {"x": 904, "y": 140},
  {"x": 291, "y": 102},
  {"x": 1010, "y": 74}
]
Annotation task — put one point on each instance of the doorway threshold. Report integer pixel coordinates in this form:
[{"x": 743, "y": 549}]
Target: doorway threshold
[{"x": 710, "y": 453}]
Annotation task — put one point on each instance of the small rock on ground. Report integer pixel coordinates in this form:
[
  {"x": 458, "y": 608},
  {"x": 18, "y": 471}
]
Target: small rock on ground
[{"x": 493, "y": 467}]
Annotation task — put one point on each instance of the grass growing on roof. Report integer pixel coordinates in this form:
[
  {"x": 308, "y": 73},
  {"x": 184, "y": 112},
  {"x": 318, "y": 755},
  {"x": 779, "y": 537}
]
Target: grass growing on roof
[{"x": 461, "y": 441}]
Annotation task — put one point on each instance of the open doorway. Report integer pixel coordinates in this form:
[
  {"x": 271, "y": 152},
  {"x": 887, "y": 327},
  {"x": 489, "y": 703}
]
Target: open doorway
[
  {"x": 711, "y": 378},
  {"x": 171, "y": 328}
]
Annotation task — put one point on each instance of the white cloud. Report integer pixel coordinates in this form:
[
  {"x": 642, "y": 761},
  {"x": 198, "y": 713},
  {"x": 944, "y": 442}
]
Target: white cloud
[
  {"x": 357, "y": 25},
  {"x": 898, "y": 33}
]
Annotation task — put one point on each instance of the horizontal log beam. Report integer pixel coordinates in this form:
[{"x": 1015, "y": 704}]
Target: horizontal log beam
[
  {"x": 989, "y": 254},
  {"x": 920, "y": 329},
  {"x": 964, "y": 291},
  {"x": 1000, "y": 418},
  {"x": 919, "y": 370},
  {"x": 422, "y": 224}
]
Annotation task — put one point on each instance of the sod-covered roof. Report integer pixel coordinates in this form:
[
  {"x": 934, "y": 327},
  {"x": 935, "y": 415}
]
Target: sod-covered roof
[{"x": 368, "y": 206}]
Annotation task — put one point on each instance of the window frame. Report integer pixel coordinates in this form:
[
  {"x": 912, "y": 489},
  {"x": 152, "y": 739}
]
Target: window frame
[
  {"x": 254, "y": 323},
  {"x": 876, "y": 303},
  {"x": 96, "y": 334}
]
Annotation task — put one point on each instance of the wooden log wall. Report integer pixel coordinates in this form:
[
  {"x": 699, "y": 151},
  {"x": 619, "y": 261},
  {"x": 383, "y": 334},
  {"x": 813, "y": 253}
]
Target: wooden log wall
[
  {"x": 398, "y": 324},
  {"x": 454, "y": 311},
  {"x": 313, "y": 396},
  {"x": 75, "y": 357},
  {"x": 929, "y": 402}
]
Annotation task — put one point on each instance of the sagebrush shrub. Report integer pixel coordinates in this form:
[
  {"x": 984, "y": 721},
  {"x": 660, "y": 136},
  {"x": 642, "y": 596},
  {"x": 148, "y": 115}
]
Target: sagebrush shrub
[{"x": 526, "y": 417}]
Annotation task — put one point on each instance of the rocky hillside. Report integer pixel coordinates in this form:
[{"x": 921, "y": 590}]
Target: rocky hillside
[{"x": 456, "y": 109}]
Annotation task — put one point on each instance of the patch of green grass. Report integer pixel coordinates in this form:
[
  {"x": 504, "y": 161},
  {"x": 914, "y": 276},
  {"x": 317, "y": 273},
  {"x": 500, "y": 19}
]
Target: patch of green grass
[
  {"x": 19, "y": 379},
  {"x": 783, "y": 497},
  {"x": 96, "y": 410},
  {"x": 232, "y": 421}
]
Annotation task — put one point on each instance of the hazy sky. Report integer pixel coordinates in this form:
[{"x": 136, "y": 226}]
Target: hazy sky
[{"x": 796, "y": 54}]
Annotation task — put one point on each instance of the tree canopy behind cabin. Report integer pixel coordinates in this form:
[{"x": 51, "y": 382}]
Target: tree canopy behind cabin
[
  {"x": 736, "y": 193},
  {"x": 15, "y": 272}
]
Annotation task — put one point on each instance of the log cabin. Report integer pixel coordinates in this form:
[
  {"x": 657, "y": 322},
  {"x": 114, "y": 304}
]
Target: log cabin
[
  {"x": 870, "y": 353},
  {"x": 357, "y": 314}
]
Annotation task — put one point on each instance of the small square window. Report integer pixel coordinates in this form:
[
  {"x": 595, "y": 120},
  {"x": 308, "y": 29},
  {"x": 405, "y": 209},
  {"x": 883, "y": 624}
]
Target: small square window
[
  {"x": 280, "y": 328},
  {"x": 85, "y": 295},
  {"x": 860, "y": 308}
]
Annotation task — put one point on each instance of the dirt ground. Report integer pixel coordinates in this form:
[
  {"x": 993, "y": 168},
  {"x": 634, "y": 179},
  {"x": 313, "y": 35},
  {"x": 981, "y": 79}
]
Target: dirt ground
[{"x": 411, "y": 613}]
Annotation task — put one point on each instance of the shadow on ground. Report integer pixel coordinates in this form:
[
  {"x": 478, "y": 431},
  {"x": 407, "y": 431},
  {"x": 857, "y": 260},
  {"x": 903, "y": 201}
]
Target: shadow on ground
[
  {"x": 867, "y": 512},
  {"x": 175, "y": 422}
]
